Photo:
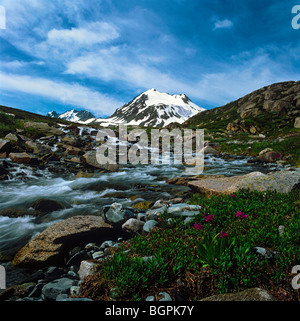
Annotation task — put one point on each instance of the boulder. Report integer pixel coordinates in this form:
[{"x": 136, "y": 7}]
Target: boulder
[
  {"x": 149, "y": 225},
  {"x": 21, "y": 158},
  {"x": 210, "y": 150},
  {"x": 282, "y": 181},
  {"x": 60, "y": 286},
  {"x": 115, "y": 214},
  {"x": 46, "y": 205},
  {"x": 71, "y": 150},
  {"x": 69, "y": 140},
  {"x": 90, "y": 159},
  {"x": 52, "y": 245},
  {"x": 265, "y": 151},
  {"x": 133, "y": 226},
  {"x": 5, "y": 145},
  {"x": 11, "y": 137},
  {"x": 87, "y": 268},
  {"x": 37, "y": 148},
  {"x": 269, "y": 157},
  {"x": 253, "y": 294},
  {"x": 297, "y": 122}
]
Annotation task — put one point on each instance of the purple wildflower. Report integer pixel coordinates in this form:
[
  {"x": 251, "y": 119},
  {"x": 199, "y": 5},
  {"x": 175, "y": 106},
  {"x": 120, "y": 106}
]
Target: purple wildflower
[
  {"x": 198, "y": 227},
  {"x": 241, "y": 215},
  {"x": 209, "y": 218},
  {"x": 223, "y": 235}
]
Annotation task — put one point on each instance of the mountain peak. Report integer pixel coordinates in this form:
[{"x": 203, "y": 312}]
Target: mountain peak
[
  {"x": 73, "y": 115},
  {"x": 153, "y": 109}
]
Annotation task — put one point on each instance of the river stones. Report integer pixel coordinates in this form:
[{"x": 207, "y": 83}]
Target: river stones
[{"x": 50, "y": 246}]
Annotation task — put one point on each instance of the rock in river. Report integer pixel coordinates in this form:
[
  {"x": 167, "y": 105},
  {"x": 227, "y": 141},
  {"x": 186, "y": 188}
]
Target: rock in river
[{"x": 50, "y": 246}]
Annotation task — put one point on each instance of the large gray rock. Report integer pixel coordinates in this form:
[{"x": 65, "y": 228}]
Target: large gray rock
[
  {"x": 149, "y": 225},
  {"x": 115, "y": 214},
  {"x": 60, "y": 286},
  {"x": 50, "y": 246},
  {"x": 133, "y": 226},
  {"x": 253, "y": 294},
  {"x": 282, "y": 181},
  {"x": 37, "y": 148},
  {"x": 90, "y": 159}
]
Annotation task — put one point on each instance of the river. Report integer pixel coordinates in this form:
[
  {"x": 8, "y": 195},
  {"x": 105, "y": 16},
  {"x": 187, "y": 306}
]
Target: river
[{"x": 86, "y": 196}]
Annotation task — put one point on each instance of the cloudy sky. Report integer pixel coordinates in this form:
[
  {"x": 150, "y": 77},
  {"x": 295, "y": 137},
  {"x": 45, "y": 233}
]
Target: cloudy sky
[{"x": 100, "y": 54}]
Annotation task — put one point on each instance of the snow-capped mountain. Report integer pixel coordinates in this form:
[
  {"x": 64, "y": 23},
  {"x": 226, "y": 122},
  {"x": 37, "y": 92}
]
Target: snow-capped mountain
[
  {"x": 77, "y": 116},
  {"x": 154, "y": 109}
]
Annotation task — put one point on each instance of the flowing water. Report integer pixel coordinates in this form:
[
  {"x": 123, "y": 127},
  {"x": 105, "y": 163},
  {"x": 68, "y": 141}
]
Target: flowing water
[{"x": 82, "y": 196}]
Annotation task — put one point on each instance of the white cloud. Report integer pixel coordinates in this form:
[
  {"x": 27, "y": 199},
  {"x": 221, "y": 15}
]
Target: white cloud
[
  {"x": 73, "y": 94},
  {"x": 93, "y": 33},
  {"x": 223, "y": 24}
]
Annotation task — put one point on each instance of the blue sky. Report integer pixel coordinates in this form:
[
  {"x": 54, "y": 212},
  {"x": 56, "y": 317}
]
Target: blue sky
[{"x": 100, "y": 54}]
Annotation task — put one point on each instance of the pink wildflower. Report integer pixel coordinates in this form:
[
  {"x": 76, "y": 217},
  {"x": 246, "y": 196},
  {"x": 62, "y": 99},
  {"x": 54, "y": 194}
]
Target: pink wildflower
[
  {"x": 223, "y": 235},
  {"x": 241, "y": 215},
  {"x": 232, "y": 195},
  {"x": 209, "y": 218},
  {"x": 198, "y": 227}
]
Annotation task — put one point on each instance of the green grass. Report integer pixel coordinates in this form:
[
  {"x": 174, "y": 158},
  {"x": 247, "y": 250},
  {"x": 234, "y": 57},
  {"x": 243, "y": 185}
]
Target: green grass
[
  {"x": 8, "y": 124},
  {"x": 185, "y": 257},
  {"x": 288, "y": 146}
]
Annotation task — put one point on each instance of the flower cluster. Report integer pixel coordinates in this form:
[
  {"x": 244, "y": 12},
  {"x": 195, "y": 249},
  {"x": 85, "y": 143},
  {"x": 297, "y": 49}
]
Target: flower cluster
[
  {"x": 240, "y": 215},
  {"x": 198, "y": 227},
  {"x": 223, "y": 235},
  {"x": 208, "y": 218}
]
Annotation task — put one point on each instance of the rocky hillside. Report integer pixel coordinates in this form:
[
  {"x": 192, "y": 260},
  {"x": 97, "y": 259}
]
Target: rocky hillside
[{"x": 271, "y": 110}]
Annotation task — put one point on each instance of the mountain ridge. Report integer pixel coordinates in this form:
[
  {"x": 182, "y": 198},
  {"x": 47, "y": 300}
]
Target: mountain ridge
[{"x": 73, "y": 115}]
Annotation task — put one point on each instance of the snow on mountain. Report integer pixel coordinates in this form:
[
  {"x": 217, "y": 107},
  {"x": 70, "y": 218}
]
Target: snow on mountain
[
  {"x": 81, "y": 116},
  {"x": 155, "y": 109}
]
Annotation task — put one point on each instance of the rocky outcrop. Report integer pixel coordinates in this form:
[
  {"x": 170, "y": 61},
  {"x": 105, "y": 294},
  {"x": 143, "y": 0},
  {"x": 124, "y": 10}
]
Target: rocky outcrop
[
  {"x": 51, "y": 245},
  {"x": 256, "y": 112}
]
